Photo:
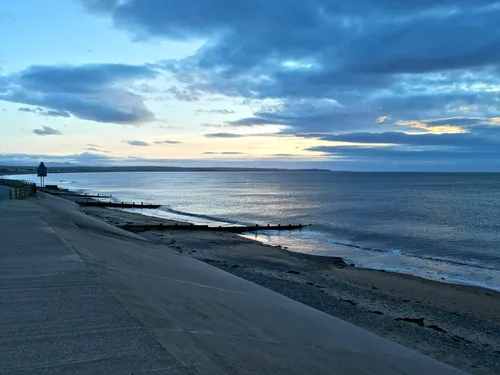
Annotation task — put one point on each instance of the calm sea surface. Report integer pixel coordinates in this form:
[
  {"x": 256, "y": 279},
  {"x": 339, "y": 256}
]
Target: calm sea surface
[{"x": 436, "y": 225}]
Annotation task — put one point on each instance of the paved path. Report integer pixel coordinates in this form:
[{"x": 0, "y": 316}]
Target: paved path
[
  {"x": 56, "y": 316},
  {"x": 134, "y": 307}
]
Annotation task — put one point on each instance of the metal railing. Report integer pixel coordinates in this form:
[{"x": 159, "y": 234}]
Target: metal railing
[{"x": 19, "y": 189}]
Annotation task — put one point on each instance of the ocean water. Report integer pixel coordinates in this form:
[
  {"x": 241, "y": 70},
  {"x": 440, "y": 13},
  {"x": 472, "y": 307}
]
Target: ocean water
[{"x": 433, "y": 225}]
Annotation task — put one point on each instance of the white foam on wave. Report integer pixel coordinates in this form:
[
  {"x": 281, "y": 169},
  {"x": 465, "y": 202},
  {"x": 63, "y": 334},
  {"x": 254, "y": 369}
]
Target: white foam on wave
[
  {"x": 443, "y": 277},
  {"x": 445, "y": 259},
  {"x": 446, "y": 269}
]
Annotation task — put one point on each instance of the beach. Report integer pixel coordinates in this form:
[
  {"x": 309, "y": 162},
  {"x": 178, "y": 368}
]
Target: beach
[
  {"x": 456, "y": 324},
  {"x": 82, "y": 296}
]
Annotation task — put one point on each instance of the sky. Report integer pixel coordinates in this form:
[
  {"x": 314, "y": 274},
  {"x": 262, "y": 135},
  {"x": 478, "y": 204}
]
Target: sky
[{"x": 361, "y": 85}]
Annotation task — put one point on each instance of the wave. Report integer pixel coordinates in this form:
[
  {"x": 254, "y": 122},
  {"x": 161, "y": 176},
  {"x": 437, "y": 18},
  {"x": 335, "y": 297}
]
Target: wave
[{"x": 469, "y": 263}]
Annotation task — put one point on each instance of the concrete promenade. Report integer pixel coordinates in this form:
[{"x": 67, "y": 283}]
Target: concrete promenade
[
  {"x": 56, "y": 316},
  {"x": 78, "y": 296}
]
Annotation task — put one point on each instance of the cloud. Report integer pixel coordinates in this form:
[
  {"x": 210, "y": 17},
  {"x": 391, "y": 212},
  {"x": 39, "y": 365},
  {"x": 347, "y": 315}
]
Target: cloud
[
  {"x": 223, "y": 153},
  {"x": 137, "y": 143},
  {"x": 27, "y": 109},
  {"x": 382, "y": 119},
  {"x": 94, "y": 92},
  {"x": 223, "y": 135},
  {"x": 304, "y": 115},
  {"x": 337, "y": 67},
  {"x": 216, "y": 111},
  {"x": 96, "y": 149},
  {"x": 424, "y": 151},
  {"x": 427, "y": 159},
  {"x": 235, "y": 135},
  {"x": 183, "y": 95},
  {"x": 293, "y": 55},
  {"x": 484, "y": 137},
  {"x": 453, "y": 124},
  {"x": 168, "y": 142},
  {"x": 46, "y": 130},
  {"x": 331, "y": 48},
  {"x": 56, "y": 113},
  {"x": 43, "y": 112},
  {"x": 145, "y": 89}
]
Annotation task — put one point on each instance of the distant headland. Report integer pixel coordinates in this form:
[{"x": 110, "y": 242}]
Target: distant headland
[{"x": 10, "y": 170}]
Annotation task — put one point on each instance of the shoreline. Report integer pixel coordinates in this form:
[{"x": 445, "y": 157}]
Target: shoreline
[
  {"x": 436, "y": 278},
  {"x": 151, "y": 219},
  {"x": 453, "y": 323},
  {"x": 406, "y": 263},
  {"x": 446, "y": 279}
]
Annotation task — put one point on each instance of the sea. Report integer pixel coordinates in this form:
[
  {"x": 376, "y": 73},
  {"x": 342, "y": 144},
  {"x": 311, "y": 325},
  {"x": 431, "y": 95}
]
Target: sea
[{"x": 444, "y": 226}]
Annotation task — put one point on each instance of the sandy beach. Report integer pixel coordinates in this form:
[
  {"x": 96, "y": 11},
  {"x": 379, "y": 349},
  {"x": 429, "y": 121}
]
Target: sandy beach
[{"x": 456, "y": 324}]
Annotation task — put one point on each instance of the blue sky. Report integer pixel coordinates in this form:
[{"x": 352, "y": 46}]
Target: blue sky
[{"x": 339, "y": 84}]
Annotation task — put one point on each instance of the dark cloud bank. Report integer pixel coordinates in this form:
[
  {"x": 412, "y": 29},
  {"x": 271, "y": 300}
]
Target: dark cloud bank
[{"x": 334, "y": 66}]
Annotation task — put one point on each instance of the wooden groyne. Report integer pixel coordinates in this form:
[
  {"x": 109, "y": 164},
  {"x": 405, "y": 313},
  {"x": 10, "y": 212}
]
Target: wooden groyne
[
  {"x": 117, "y": 205},
  {"x": 77, "y": 195},
  {"x": 137, "y": 228},
  {"x": 233, "y": 229}
]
